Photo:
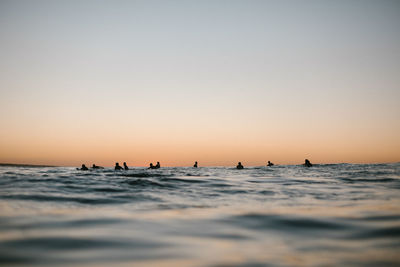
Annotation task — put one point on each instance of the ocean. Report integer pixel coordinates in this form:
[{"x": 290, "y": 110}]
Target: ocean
[{"x": 327, "y": 215}]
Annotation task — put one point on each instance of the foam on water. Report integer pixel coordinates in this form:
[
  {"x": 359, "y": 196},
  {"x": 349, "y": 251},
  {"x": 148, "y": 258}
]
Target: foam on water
[{"x": 334, "y": 215}]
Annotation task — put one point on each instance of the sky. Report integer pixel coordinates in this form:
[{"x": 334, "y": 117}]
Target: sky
[{"x": 210, "y": 81}]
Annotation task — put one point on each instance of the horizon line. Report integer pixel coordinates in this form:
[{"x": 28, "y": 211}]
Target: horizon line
[{"x": 133, "y": 166}]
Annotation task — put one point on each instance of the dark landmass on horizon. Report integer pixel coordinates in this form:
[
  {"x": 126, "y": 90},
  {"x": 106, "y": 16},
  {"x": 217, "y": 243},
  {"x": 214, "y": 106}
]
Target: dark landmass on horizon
[{"x": 24, "y": 165}]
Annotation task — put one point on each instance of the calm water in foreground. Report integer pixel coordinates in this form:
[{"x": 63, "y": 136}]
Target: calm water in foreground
[{"x": 328, "y": 215}]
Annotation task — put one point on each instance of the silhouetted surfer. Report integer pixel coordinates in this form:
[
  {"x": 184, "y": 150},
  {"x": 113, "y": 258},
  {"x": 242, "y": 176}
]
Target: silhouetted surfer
[
  {"x": 96, "y": 167},
  {"x": 157, "y": 165},
  {"x": 270, "y": 164},
  {"x": 239, "y": 166},
  {"x": 307, "y": 163},
  {"x": 126, "y": 166},
  {"x": 117, "y": 167},
  {"x": 83, "y": 168},
  {"x": 151, "y": 166},
  {"x": 195, "y": 165}
]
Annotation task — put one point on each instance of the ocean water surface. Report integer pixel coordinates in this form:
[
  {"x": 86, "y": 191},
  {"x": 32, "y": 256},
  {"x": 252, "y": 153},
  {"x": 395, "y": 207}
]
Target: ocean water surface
[{"x": 327, "y": 215}]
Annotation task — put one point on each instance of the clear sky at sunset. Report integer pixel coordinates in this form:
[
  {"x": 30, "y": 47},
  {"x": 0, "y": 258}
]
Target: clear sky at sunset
[{"x": 213, "y": 81}]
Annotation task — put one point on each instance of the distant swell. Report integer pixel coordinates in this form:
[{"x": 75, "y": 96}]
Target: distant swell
[
  {"x": 191, "y": 181},
  {"x": 148, "y": 183},
  {"x": 368, "y": 180},
  {"x": 145, "y": 174},
  {"x": 279, "y": 222},
  {"x": 63, "y": 199}
]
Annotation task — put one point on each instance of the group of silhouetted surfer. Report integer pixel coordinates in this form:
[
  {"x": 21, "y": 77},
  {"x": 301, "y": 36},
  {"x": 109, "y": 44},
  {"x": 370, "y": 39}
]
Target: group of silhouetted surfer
[
  {"x": 154, "y": 167},
  {"x": 239, "y": 166},
  {"x": 94, "y": 167},
  {"x": 117, "y": 167}
]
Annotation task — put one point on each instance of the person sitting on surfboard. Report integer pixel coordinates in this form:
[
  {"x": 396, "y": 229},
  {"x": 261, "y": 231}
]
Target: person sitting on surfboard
[
  {"x": 117, "y": 167},
  {"x": 96, "y": 167},
  {"x": 195, "y": 165},
  {"x": 126, "y": 166},
  {"x": 239, "y": 166},
  {"x": 307, "y": 163},
  {"x": 151, "y": 166},
  {"x": 83, "y": 168},
  {"x": 270, "y": 164},
  {"x": 157, "y": 165}
]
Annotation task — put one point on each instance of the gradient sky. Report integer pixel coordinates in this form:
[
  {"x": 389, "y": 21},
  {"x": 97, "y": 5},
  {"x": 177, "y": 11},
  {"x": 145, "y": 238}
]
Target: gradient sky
[{"x": 212, "y": 81}]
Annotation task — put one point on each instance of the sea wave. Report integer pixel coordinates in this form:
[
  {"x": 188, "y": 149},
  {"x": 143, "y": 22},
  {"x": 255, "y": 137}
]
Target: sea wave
[{"x": 207, "y": 216}]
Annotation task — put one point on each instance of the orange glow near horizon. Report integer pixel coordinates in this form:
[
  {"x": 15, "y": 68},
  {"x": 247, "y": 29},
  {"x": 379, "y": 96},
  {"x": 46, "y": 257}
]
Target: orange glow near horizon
[{"x": 184, "y": 148}]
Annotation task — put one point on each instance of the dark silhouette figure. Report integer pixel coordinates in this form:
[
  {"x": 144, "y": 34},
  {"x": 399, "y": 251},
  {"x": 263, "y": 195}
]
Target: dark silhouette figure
[
  {"x": 195, "y": 165},
  {"x": 157, "y": 165},
  {"x": 83, "y": 168},
  {"x": 117, "y": 167},
  {"x": 151, "y": 166},
  {"x": 270, "y": 164},
  {"x": 97, "y": 167},
  {"x": 239, "y": 166},
  {"x": 126, "y": 166},
  {"x": 307, "y": 163}
]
